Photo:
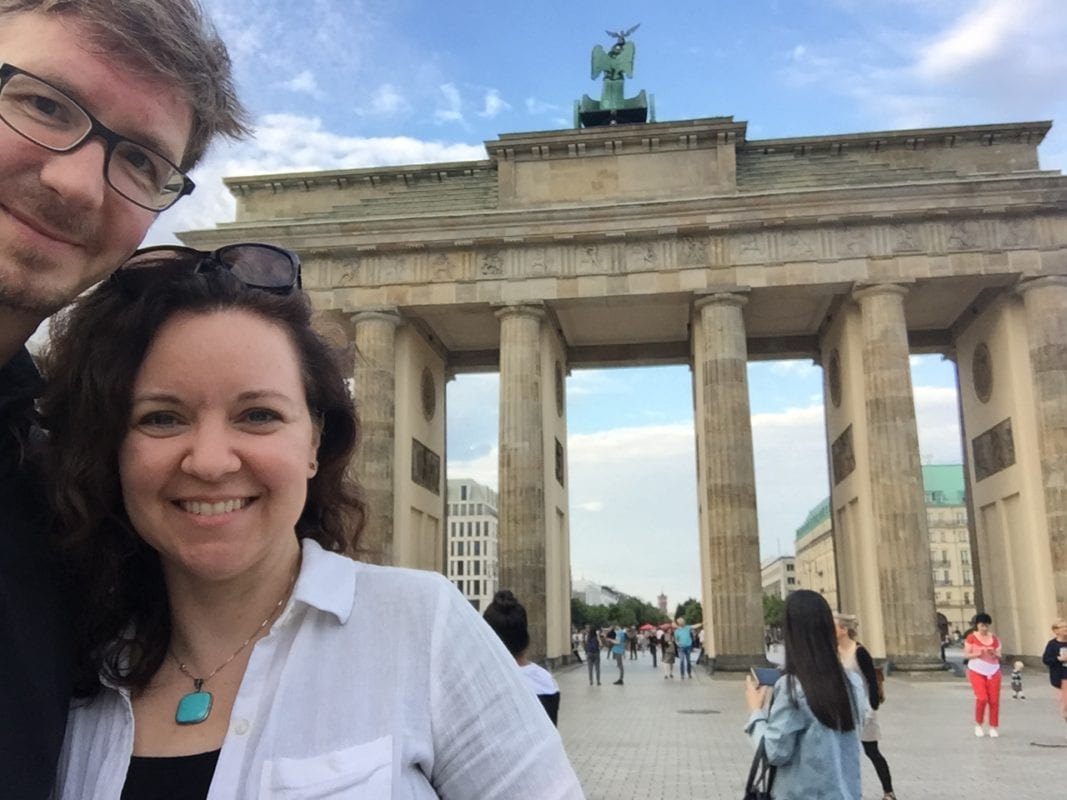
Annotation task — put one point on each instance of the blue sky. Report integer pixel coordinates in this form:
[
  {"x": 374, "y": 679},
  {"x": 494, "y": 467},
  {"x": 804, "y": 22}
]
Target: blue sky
[{"x": 358, "y": 83}]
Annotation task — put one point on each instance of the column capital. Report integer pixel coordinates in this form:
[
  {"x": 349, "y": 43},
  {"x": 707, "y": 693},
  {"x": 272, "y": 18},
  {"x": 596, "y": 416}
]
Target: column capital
[
  {"x": 504, "y": 309},
  {"x": 731, "y": 296},
  {"x": 1039, "y": 282},
  {"x": 864, "y": 290},
  {"x": 381, "y": 314}
]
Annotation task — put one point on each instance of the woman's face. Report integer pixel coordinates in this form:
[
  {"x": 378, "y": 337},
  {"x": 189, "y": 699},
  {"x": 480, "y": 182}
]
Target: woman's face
[
  {"x": 1060, "y": 632},
  {"x": 841, "y": 631},
  {"x": 220, "y": 447},
  {"x": 982, "y": 627}
]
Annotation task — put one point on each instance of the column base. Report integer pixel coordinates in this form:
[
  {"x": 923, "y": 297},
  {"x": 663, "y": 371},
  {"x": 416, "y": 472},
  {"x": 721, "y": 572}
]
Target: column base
[
  {"x": 914, "y": 664},
  {"x": 736, "y": 663}
]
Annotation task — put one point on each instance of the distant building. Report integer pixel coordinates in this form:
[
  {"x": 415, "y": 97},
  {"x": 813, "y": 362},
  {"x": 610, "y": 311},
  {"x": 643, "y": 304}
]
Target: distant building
[
  {"x": 950, "y": 547},
  {"x": 661, "y": 601},
  {"x": 473, "y": 563},
  {"x": 815, "y": 563},
  {"x": 779, "y": 576},
  {"x": 594, "y": 594}
]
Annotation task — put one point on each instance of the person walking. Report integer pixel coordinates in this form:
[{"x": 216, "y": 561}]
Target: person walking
[
  {"x": 618, "y": 651},
  {"x": 1055, "y": 658},
  {"x": 855, "y": 658},
  {"x": 810, "y": 730},
  {"x": 670, "y": 653},
  {"x": 592, "y": 653},
  {"x": 683, "y": 637},
  {"x": 982, "y": 648}
]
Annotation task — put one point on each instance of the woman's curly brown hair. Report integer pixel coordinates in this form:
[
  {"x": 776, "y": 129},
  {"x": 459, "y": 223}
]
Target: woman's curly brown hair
[{"x": 95, "y": 352}]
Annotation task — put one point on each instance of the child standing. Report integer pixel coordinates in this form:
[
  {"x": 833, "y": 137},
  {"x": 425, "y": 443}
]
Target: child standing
[{"x": 1017, "y": 681}]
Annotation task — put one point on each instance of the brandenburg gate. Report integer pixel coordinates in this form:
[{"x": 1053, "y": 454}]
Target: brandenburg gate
[{"x": 687, "y": 243}]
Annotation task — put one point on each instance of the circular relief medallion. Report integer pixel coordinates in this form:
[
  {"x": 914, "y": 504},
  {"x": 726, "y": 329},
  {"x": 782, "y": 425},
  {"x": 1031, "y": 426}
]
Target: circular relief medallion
[
  {"x": 982, "y": 372},
  {"x": 833, "y": 376},
  {"x": 559, "y": 390},
  {"x": 429, "y": 394}
]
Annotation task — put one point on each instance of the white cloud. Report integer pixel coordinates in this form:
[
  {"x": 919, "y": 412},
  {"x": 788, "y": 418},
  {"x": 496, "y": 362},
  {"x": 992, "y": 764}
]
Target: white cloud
[
  {"x": 797, "y": 367},
  {"x": 452, "y": 110},
  {"x": 535, "y": 106},
  {"x": 386, "y": 101},
  {"x": 494, "y": 104},
  {"x": 304, "y": 83},
  {"x": 984, "y": 33},
  {"x": 288, "y": 143}
]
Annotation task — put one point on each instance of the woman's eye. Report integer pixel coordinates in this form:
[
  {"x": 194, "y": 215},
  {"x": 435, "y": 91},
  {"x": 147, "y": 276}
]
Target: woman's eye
[
  {"x": 158, "y": 419},
  {"x": 261, "y": 416}
]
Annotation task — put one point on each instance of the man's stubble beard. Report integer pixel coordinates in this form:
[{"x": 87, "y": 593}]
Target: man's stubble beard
[{"x": 30, "y": 281}]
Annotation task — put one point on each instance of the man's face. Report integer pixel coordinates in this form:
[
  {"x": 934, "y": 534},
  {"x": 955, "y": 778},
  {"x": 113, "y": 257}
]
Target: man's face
[{"x": 62, "y": 227}]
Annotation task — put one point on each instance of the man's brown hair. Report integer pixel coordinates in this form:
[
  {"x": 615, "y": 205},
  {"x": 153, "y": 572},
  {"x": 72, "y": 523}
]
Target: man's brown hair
[{"x": 169, "y": 40}]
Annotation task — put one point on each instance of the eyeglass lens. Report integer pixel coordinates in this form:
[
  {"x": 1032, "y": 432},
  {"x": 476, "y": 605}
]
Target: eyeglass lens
[
  {"x": 48, "y": 117},
  {"x": 257, "y": 265}
]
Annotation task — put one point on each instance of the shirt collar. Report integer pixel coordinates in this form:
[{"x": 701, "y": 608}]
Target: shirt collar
[{"x": 327, "y": 582}]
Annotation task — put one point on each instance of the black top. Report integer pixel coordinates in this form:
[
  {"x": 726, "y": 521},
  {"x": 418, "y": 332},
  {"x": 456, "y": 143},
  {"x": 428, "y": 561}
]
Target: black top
[
  {"x": 551, "y": 704},
  {"x": 1057, "y": 670},
  {"x": 170, "y": 777},
  {"x": 36, "y": 652},
  {"x": 866, "y": 665}
]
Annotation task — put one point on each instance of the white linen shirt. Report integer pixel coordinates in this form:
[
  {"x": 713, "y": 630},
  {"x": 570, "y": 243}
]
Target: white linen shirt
[{"x": 374, "y": 682}]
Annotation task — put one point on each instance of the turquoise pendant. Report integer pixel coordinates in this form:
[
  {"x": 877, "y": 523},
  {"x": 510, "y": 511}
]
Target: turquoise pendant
[{"x": 194, "y": 707}]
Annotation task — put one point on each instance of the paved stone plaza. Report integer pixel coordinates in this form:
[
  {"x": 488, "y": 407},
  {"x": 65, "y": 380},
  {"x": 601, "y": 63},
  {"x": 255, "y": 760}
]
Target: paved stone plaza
[{"x": 654, "y": 738}]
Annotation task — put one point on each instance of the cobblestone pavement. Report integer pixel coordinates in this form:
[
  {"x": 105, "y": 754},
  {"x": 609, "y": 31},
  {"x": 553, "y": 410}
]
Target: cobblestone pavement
[{"x": 655, "y": 738}]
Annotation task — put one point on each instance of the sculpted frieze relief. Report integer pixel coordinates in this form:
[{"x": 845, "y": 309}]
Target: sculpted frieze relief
[
  {"x": 490, "y": 263},
  {"x": 965, "y": 235},
  {"x": 1018, "y": 232},
  {"x": 622, "y": 255},
  {"x": 642, "y": 256},
  {"x": 801, "y": 245},
  {"x": 906, "y": 238},
  {"x": 693, "y": 251}
]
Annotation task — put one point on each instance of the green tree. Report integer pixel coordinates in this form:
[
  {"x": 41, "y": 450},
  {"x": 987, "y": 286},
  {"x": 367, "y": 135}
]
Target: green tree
[
  {"x": 773, "y": 611},
  {"x": 691, "y": 610}
]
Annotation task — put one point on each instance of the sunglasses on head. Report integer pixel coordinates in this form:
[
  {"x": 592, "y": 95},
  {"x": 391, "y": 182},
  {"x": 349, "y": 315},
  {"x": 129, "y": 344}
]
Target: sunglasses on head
[{"x": 259, "y": 266}]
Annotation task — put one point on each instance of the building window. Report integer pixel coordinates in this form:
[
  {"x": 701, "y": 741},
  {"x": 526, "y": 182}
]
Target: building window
[
  {"x": 463, "y": 492},
  {"x": 790, "y": 581},
  {"x": 966, "y": 598},
  {"x": 476, "y": 568},
  {"x": 788, "y": 567},
  {"x": 965, "y": 555},
  {"x": 948, "y": 597},
  {"x": 459, "y": 568},
  {"x": 477, "y": 548}
]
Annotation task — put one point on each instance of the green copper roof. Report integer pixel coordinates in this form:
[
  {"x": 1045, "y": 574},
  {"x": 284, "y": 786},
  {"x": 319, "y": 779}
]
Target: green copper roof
[
  {"x": 943, "y": 485},
  {"x": 817, "y": 515}
]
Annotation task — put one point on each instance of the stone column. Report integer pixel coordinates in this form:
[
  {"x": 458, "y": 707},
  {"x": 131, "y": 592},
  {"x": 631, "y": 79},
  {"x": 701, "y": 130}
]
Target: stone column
[
  {"x": 522, "y": 468},
  {"x": 374, "y": 375},
  {"x": 1045, "y": 300},
  {"x": 729, "y": 483},
  {"x": 898, "y": 501}
]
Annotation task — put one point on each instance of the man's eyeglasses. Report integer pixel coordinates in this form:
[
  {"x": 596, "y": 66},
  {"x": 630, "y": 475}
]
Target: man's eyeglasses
[
  {"x": 38, "y": 111},
  {"x": 259, "y": 266}
]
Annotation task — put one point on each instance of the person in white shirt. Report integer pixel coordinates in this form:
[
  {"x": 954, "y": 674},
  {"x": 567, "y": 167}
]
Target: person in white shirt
[
  {"x": 507, "y": 617},
  {"x": 201, "y": 441}
]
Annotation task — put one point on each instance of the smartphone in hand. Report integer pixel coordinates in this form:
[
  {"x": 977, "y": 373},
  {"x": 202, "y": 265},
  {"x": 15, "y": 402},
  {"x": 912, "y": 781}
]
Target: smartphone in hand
[{"x": 766, "y": 676}]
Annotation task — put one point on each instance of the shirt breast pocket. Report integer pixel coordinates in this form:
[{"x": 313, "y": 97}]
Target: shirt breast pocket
[{"x": 361, "y": 772}]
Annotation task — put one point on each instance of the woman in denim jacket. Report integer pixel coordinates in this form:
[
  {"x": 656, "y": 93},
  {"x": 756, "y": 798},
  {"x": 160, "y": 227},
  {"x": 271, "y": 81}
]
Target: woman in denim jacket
[{"x": 810, "y": 731}]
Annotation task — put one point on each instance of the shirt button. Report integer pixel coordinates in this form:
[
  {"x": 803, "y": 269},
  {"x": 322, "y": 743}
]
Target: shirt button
[{"x": 241, "y": 727}]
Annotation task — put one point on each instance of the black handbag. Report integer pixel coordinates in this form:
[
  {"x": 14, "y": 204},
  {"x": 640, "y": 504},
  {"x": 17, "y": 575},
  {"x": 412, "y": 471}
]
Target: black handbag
[{"x": 760, "y": 776}]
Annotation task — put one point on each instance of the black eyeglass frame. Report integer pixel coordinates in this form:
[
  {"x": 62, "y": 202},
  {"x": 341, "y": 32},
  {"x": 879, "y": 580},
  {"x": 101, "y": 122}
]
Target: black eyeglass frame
[
  {"x": 199, "y": 261},
  {"x": 96, "y": 128}
]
